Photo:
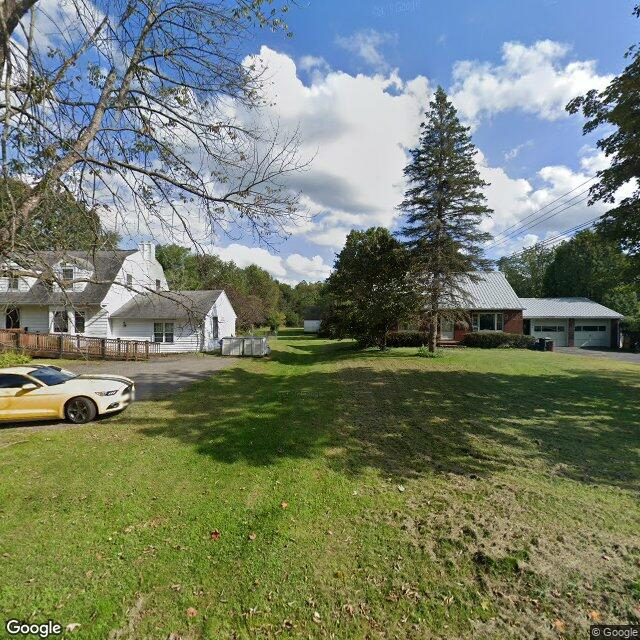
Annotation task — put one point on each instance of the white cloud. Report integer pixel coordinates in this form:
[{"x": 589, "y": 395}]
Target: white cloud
[
  {"x": 244, "y": 256},
  {"x": 366, "y": 45},
  {"x": 308, "y": 268},
  {"x": 535, "y": 79},
  {"x": 515, "y": 152}
]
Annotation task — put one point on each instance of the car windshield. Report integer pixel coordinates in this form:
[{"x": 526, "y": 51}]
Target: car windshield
[{"x": 52, "y": 375}]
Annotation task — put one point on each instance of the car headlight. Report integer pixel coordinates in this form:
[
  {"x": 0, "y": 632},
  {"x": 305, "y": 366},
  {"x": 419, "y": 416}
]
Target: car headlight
[{"x": 107, "y": 393}]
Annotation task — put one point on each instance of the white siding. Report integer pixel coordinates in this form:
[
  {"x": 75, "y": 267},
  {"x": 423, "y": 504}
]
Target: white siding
[
  {"x": 35, "y": 319},
  {"x": 144, "y": 270},
  {"x": 96, "y": 323},
  {"x": 186, "y": 338},
  {"x": 226, "y": 317},
  {"x": 311, "y": 326}
]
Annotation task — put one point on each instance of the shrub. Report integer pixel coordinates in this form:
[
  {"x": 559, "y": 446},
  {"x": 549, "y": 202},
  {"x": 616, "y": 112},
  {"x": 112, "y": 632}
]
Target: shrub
[
  {"x": 10, "y": 359},
  {"x": 497, "y": 339},
  {"x": 407, "y": 339},
  {"x": 423, "y": 352}
]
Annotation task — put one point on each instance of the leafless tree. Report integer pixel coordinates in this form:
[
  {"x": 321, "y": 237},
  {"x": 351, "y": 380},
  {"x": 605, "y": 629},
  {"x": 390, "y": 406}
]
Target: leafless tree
[{"x": 147, "y": 109}]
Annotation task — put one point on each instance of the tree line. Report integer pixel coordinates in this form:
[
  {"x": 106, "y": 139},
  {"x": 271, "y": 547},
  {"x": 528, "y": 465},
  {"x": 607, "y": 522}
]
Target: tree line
[
  {"x": 258, "y": 299},
  {"x": 588, "y": 265}
]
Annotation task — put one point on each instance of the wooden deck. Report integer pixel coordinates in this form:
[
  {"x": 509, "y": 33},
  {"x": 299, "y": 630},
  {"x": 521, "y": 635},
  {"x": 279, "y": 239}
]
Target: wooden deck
[{"x": 61, "y": 345}]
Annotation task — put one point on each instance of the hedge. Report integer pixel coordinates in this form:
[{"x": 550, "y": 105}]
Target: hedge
[
  {"x": 407, "y": 339},
  {"x": 10, "y": 359},
  {"x": 497, "y": 339}
]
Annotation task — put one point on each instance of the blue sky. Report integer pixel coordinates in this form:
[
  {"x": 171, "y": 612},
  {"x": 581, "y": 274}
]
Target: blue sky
[{"x": 357, "y": 74}]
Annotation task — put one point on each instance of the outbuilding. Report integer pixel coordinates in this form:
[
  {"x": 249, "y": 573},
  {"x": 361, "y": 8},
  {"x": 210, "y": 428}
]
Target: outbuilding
[
  {"x": 312, "y": 319},
  {"x": 180, "y": 321},
  {"x": 571, "y": 322}
]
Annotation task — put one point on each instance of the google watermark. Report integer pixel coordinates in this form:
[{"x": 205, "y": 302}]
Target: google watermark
[{"x": 46, "y": 629}]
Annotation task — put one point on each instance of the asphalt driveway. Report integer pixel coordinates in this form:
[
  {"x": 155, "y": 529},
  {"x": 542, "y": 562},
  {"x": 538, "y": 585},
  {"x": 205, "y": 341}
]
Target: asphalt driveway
[
  {"x": 595, "y": 352},
  {"x": 159, "y": 377},
  {"x": 154, "y": 379}
]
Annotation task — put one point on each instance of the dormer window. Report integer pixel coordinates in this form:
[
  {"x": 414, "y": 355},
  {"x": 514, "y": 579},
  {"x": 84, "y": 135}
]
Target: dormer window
[{"x": 67, "y": 277}]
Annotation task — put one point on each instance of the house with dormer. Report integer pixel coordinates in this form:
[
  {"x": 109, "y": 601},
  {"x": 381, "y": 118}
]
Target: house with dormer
[{"x": 113, "y": 294}]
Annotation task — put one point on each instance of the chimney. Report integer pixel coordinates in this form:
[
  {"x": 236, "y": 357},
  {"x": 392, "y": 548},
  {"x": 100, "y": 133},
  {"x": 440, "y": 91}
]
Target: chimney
[{"x": 148, "y": 250}]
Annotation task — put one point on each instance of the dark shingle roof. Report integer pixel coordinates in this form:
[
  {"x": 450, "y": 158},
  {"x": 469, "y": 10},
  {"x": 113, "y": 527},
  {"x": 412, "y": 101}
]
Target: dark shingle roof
[
  {"x": 105, "y": 265},
  {"x": 167, "y": 305}
]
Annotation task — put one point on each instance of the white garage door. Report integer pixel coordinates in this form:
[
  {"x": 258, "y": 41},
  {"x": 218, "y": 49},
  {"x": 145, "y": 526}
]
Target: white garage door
[
  {"x": 555, "y": 330},
  {"x": 592, "y": 333}
]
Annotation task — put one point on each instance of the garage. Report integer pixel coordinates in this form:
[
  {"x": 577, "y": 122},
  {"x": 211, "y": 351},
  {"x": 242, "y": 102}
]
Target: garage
[
  {"x": 592, "y": 333},
  {"x": 553, "y": 329},
  {"x": 571, "y": 322}
]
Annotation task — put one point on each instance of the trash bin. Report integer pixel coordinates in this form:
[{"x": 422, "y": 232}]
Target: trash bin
[
  {"x": 548, "y": 344},
  {"x": 539, "y": 344}
]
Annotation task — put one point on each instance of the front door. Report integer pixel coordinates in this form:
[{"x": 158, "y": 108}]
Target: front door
[{"x": 446, "y": 330}]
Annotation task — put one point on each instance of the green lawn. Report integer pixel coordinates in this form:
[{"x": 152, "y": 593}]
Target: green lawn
[{"x": 482, "y": 494}]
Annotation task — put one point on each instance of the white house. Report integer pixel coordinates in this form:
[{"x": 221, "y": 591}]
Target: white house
[{"x": 125, "y": 296}]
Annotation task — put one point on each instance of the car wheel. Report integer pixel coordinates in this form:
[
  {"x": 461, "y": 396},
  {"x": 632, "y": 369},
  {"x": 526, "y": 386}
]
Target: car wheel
[{"x": 80, "y": 410}]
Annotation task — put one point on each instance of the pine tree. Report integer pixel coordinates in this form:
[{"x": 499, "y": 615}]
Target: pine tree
[{"x": 444, "y": 206}]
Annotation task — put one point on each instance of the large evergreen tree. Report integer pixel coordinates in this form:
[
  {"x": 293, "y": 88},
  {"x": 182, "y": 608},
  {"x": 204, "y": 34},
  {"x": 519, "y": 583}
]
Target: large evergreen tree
[
  {"x": 444, "y": 206},
  {"x": 617, "y": 110}
]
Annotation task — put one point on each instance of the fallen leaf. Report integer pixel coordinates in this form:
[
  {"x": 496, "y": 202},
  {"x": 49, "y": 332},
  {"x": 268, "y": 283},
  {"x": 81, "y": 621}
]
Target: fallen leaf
[
  {"x": 595, "y": 616},
  {"x": 215, "y": 535},
  {"x": 287, "y": 624},
  {"x": 284, "y": 505},
  {"x": 191, "y": 612},
  {"x": 316, "y": 617},
  {"x": 252, "y": 536},
  {"x": 349, "y": 608},
  {"x": 558, "y": 625},
  {"x": 72, "y": 626},
  {"x": 401, "y": 488},
  {"x": 176, "y": 587}
]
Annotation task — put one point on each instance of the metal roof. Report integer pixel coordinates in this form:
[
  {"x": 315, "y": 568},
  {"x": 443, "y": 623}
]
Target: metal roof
[
  {"x": 169, "y": 305},
  {"x": 105, "y": 266},
  {"x": 565, "y": 308},
  {"x": 489, "y": 291}
]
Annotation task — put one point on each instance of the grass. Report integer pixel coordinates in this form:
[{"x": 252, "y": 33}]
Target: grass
[{"x": 356, "y": 494}]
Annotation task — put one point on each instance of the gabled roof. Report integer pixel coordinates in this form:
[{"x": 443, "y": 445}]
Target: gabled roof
[
  {"x": 105, "y": 266},
  {"x": 490, "y": 291},
  {"x": 169, "y": 305},
  {"x": 565, "y": 308}
]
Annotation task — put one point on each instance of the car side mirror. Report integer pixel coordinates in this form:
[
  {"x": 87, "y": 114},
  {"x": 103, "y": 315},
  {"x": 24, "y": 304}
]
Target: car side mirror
[{"x": 29, "y": 386}]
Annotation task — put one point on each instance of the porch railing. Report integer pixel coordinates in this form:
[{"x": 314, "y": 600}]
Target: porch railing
[{"x": 61, "y": 345}]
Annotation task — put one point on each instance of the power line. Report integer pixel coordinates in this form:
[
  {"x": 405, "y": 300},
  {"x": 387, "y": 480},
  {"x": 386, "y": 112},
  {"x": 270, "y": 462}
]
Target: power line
[
  {"x": 549, "y": 241},
  {"x": 521, "y": 222},
  {"x": 542, "y": 219}
]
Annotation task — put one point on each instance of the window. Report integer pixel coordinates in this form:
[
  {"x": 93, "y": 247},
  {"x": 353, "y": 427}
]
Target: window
[
  {"x": 14, "y": 283},
  {"x": 591, "y": 328},
  {"x": 12, "y": 319},
  {"x": 67, "y": 277},
  {"x": 129, "y": 280},
  {"x": 158, "y": 285},
  {"x": 163, "y": 331},
  {"x": 548, "y": 328},
  {"x": 11, "y": 381},
  {"x": 79, "y": 321},
  {"x": 60, "y": 322},
  {"x": 487, "y": 322}
]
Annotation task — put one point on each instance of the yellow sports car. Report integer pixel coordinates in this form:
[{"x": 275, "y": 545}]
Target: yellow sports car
[{"x": 39, "y": 392}]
